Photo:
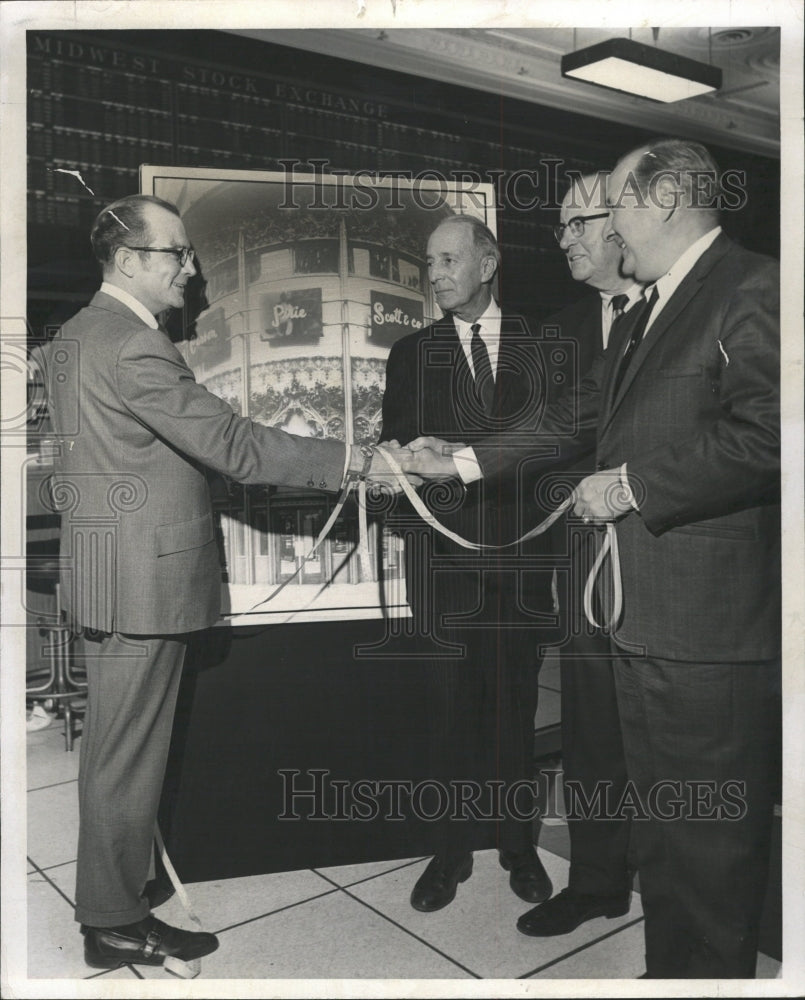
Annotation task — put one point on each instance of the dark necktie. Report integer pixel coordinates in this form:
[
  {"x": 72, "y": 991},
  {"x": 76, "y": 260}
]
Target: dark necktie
[
  {"x": 618, "y": 304},
  {"x": 484, "y": 382},
  {"x": 635, "y": 337}
]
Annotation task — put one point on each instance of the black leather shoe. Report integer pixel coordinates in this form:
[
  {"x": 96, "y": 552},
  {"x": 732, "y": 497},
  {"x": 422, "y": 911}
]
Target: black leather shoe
[
  {"x": 158, "y": 891},
  {"x": 148, "y": 942},
  {"x": 436, "y": 886},
  {"x": 565, "y": 912},
  {"x": 528, "y": 877}
]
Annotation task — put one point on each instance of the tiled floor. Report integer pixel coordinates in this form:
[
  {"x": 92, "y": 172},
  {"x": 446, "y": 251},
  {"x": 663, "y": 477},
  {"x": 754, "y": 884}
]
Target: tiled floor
[{"x": 349, "y": 922}]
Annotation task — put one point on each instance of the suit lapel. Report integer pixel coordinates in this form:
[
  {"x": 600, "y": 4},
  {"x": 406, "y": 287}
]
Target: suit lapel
[
  {"x": 683, "y": 295},
  {"x": 446, "y": 381},
  {"x": 514, "y": 355},
  {"x": 618, "y": 338},
  {"x": 509, "y": 379}
]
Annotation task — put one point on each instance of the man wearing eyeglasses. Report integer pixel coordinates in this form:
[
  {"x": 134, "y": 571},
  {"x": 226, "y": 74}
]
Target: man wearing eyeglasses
[
  {"x": 592, "y": 746},
  {"x": 140, "y": 563},
  {"x": 685, "y": 414}
]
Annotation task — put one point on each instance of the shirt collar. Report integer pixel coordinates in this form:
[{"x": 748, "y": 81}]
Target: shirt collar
[
  {"x": 489, "y": 320},
  {"x": 634, "y": 292},
  {"x": 682, "y": 266},
  {"x": 134, "y": 304}
]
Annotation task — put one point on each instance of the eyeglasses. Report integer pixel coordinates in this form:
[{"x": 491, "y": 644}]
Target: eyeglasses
[
  {"x": 182, "y": 254},
  {"x": 575, "y": 225}
]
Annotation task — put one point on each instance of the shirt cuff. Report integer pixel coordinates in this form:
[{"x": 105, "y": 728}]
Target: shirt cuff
[
  {"x": 353, "y": 462},
  {"x": 627, "y": 489},
  {"x": 467, "y": 465}
]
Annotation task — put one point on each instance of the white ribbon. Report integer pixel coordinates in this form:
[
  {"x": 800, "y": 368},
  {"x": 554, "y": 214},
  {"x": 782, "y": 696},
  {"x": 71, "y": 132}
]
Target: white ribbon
[
  {"x": 608, "y": 547},
  {"x": 325, "y": 531},
  {"x": 179, "y": 967}
]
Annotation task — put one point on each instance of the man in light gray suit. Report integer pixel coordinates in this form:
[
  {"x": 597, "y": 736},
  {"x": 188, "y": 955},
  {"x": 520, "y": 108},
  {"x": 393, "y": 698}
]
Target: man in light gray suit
[{"x": 140, "y": 564}]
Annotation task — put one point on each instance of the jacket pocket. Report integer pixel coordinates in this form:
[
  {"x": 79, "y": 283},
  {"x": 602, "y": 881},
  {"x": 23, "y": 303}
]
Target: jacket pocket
[{"x": 184, "y": 535}]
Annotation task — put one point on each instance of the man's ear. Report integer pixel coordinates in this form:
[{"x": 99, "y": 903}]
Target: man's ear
[
  {"x": 488, "y": 267},
  {"x": 668, "y": 194},
  {"x": 124, "y": 261}
]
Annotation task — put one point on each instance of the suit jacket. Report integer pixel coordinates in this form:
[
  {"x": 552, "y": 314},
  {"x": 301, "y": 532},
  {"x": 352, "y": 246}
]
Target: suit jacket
[
  {"x": 137, "y": 536},
  {"x": 580, "y": 323},
  {"x": 575, "y": 544},
  {"x": 697, "y": 420},
  {"x": 430, "y": 391}
]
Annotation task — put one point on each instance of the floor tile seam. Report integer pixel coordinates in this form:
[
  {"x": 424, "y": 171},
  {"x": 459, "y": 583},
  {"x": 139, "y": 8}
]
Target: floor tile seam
[
  {"x": 106, "y": 972},
  {"x": 280, "y": 909},
  {"x": 50, "y": 882},
  {"x": 47, "y": 868},
  {"x": 410, "y": 933},
  {"x": 96, "y": 975},
  {"x": 369, "y": 878},
  {"x": 582, "y": 947},
  {"x": 55, "y": 784}
]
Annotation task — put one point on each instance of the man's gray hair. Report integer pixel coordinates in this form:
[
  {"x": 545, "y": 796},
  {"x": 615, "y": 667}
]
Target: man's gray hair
[{"x": 482, "y": 236}]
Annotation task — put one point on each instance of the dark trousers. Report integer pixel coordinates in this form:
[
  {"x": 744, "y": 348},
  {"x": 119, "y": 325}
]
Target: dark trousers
[
  {"x": 482, "y": 704},
  {"x": 132, "y": 682},
  {"x": 703, "y": 735},
  {"x": 593, "y": 766},
  {"x": 593, "y": 762}
]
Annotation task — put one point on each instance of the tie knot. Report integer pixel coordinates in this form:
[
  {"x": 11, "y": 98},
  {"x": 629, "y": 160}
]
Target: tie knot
[
  {"x": 654, "y": 295},
  {"x": 476, "y": 329},
  {"x": 618, "y": 303}
]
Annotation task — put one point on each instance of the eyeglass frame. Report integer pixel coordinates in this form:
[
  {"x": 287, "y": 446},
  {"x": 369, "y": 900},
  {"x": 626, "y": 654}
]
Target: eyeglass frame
[
  {"x": 576, "y": 221},
  {"x": 182, "y": 254}
]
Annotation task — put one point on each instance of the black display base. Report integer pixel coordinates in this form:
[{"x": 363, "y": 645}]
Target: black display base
[{"x": 257, "y": 702}]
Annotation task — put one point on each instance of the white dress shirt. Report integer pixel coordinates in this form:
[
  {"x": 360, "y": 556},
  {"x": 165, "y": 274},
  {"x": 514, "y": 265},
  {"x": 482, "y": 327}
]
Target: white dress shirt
[
  {"x": 489, "y": 333},
  {"x": 635, "y": 294},
  {"x": 489, "y": 321},
  {"x": 677, "y": 272},
  {"x": 134, "y": 304},
  {"x": 466, "y": 462}
]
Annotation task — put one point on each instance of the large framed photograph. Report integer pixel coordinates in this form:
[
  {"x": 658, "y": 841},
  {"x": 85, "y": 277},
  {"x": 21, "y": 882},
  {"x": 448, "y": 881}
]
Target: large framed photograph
[{"x": 305, "y": 281}]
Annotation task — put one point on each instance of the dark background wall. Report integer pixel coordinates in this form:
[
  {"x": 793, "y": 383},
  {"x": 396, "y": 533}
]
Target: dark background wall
[{"x": 105, "y": 102}]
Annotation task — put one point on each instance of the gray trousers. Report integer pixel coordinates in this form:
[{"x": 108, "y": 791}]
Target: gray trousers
[{"x": 132, "y": 682}]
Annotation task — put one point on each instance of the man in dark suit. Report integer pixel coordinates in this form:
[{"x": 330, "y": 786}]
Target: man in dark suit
[
  {"x": 685, "y": 412},
  {"x": 592, "y": 746},
  {"x": 474, "y": 372},
  {"x": 140, "y": 565}
]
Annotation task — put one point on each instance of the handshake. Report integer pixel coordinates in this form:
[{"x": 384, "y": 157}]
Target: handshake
[
  {"x": 421, "y": 459},
  {"x": 601, "y": 497}
]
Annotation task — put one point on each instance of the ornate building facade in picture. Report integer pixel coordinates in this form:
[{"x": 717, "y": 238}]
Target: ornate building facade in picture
[{"x": 304, "y": 284}]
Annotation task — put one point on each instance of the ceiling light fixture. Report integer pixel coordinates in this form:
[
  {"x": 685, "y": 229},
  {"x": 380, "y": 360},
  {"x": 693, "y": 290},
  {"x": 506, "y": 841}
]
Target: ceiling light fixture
[{"x": 625, "y": 65}]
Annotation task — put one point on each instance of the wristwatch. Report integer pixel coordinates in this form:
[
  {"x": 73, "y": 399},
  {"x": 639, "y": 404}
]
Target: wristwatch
[{"x": 368, "y": 454}]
